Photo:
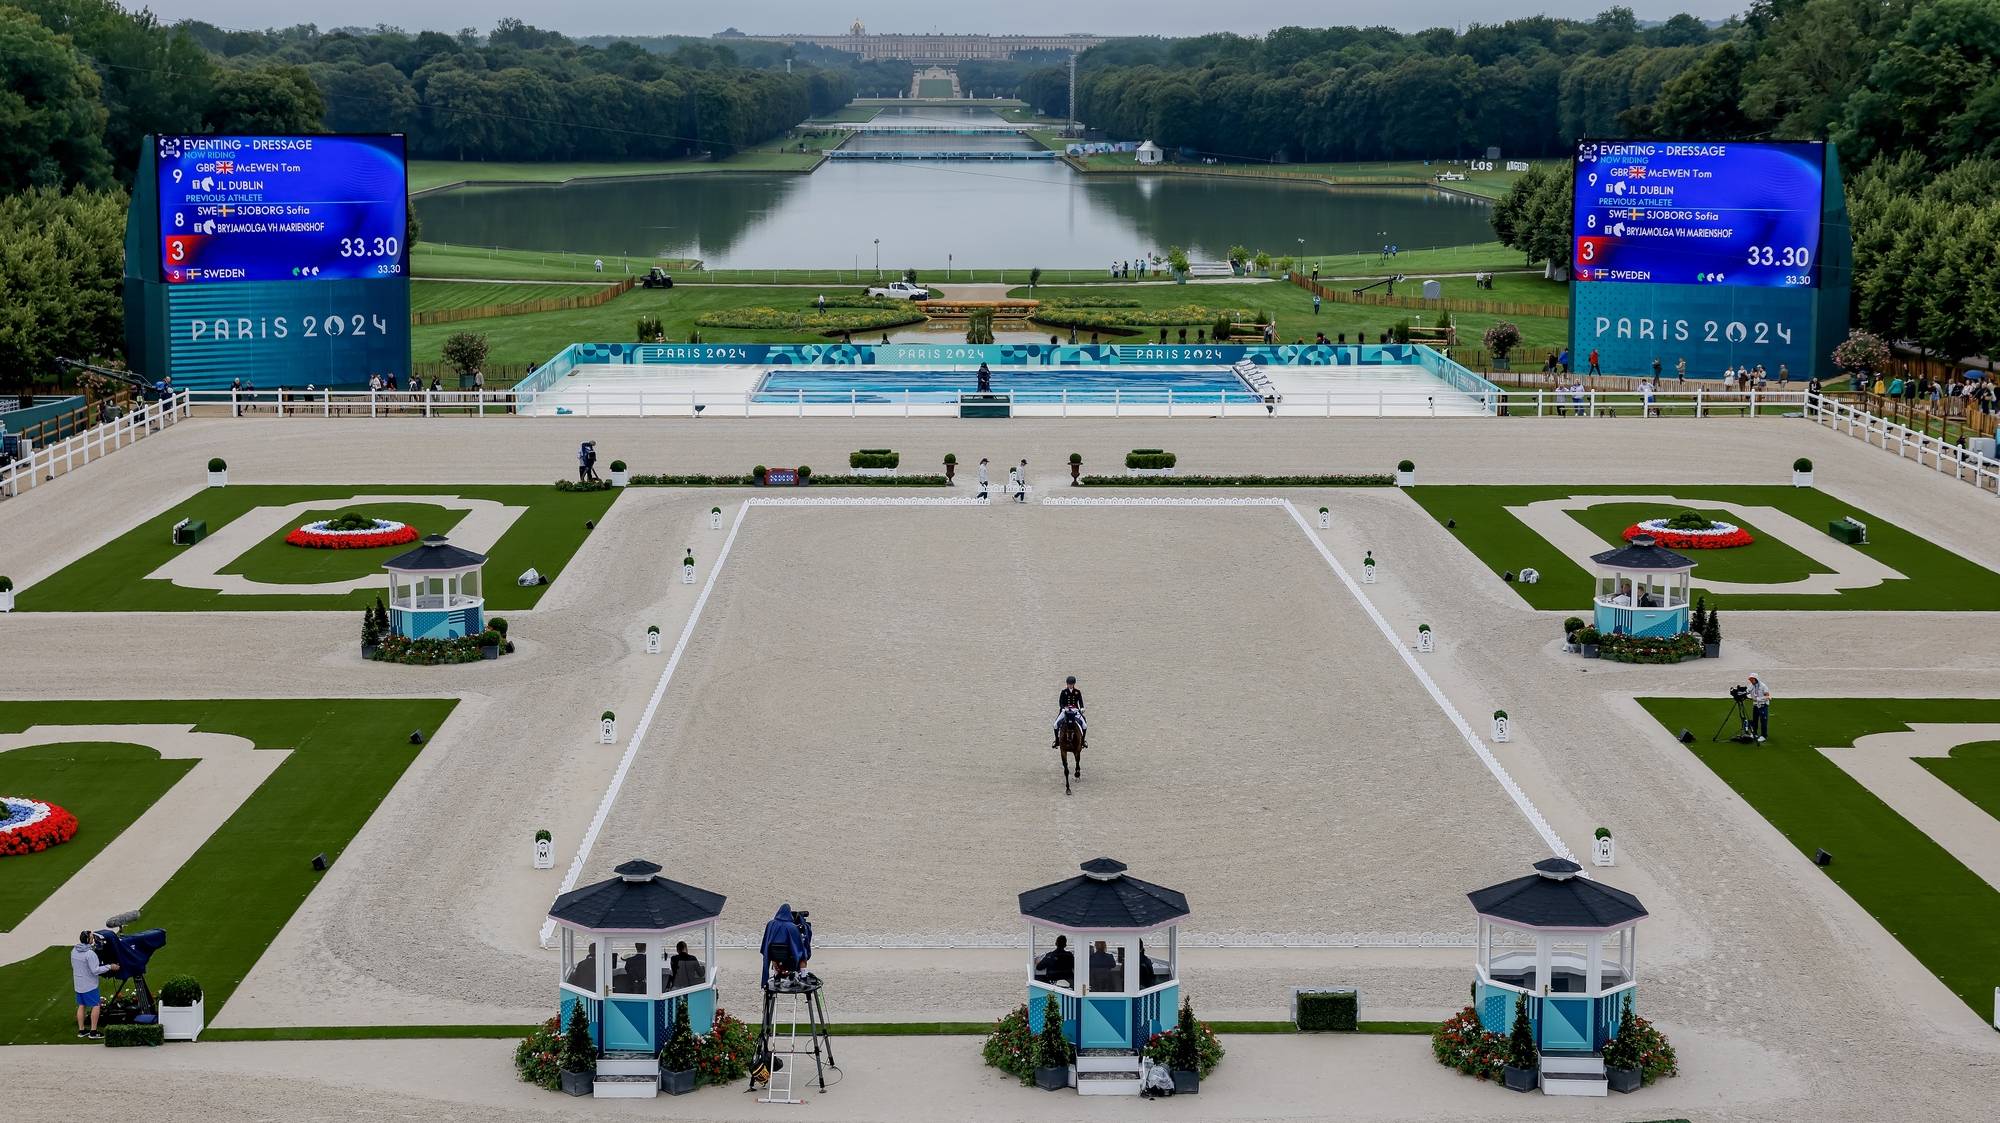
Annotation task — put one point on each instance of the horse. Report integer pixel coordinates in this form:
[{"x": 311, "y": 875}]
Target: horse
[{"x": 1069, "y": 739}]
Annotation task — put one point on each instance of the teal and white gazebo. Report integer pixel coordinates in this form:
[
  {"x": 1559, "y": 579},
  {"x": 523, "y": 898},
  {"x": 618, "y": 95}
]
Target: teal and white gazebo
[
  {"x": 435, "y": 591},
  {"x": 619, "y": 960},
  {"x": 1642, "y": 589}
]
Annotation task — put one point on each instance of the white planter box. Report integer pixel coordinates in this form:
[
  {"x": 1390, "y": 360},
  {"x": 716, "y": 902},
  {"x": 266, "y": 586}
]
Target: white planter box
[
  {"x": 715, "y": 520},
  {"x": 687, "y": 575},
  {"x": 1802, "y": 479},
  {"x": 1500, "y": 730},
  {"x": 1322, "y": 520},
  {"x": 1424, "y": 642},
  {"x": 7, "y": 601},
  {"x": 219, "y": 479},
  {"x": 182, "y": 1023},
  {"x": 618, "y": 478},
  {"x": 652, "y": 643},
  {"x": 1405, "y": 479},
  {"x": 1367, "y": 575},
  {"x": 874, "y": 471},
  {"x": 607, "y": 731},
  {"x": 1149, "y": 471},
  {"x": 1604, "y": 851},
  {"x": 545, "y": 854}
]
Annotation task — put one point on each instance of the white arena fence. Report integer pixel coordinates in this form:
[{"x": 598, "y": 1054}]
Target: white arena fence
[
  {"x": 1964, "y": 465},
  {"x": 1379, "y": 402},
  {"x": 44, "y": 464}
]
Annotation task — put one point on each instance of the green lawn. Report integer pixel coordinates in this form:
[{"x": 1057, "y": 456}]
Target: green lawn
[
  {"x": 437, "y": 259},
  {"x": 1944, "y": 914},
  {"x": 934, "y": 87},
  {"x": 230, "y": 900},
  {"x": 535, "y": 337},
  {"x": 104, "y": 784},
  {"x": 1973, "y": 771},
  {"x": 1490, "y": 185},
  {"x": 426, "y": 175},
  {"x": 1291, "y": 306},
  {"x": 848, "y": 115},
  {"x": 112, "y": 578},
  {"x": 279, "y": 562},
  {"x": 1764, "y": 559},
  {"x": 428, "y": 296},
  {"x": 1934, "y": 579}
]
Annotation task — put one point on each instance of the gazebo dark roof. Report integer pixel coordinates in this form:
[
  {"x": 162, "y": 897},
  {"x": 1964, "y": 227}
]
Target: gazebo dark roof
[
  {"x": 435, "y": 554},
  {"x": 1103, "y": 899},
  {"x": 1554, "y": 897},
  {"x": 637, "y": 900},
  {"x": 1643, "y": 554}
]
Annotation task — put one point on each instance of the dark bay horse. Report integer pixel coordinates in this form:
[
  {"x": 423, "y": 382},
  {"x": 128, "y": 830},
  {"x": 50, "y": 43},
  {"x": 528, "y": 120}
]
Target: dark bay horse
[{"x": 1069, "y": 741}]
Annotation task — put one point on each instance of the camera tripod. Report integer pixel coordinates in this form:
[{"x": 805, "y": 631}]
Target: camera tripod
[
  {"x": 1741, "y": 714},
  {"x": 779, "y": 1049}
]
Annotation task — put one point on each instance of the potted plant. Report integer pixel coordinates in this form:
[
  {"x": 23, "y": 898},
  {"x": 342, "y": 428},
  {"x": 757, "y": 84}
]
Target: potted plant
[
  {"x": 950, "y": 469},
  {"x": 1711, "y": 635},
  {"x": 1622, "y": 1069},
  {"x": 498, "y": 624},
  {"x": 1523, "y": 1060},
  {"x": 1323, "y": 519},
  {"x": 607, "y": 728},
  {"x": 579, "y": 1055},
  {"x": 1571, "y": 627},
  {"x": 806, "y": 474},
  {"x": 1501, "y": 728},
  {"x": 1586, "y": 638},
  {"x": 715, "y": 518},
  {"x": 1185, "y": 1061},
  {"x": 871, "y": 462},
  {"x": 1698, "y": 622},
  {"x": 652, "y": 639},
  {"x": 1603, "y": 851},
  {"x": 1406, "y": 473},
  {"x": 6, "y": 594},
  {"x": 545, "y": 850},
  {"x": 1075, "y": 469},
  {"x": 371, "y": 633},
  {"x": 1424, "y": 640},
  {"x": 1149, "y": 462},
  {"x": 618, "y": 473},
  {"x": 489, "y": 644},
  {"x": 687, "y": 567},
  {"x": 679, "y": 1055},
  {"x": 1802, "y": 472},
  {"x": 1053, "y": 1052},
  {"x": 181, "y": 1009},
  {"x": 758, "y": 474},
  {"x": 218, "y": 472}
]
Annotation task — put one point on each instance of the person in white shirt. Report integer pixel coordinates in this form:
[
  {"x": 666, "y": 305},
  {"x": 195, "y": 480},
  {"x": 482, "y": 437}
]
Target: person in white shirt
[
  {"x": 983, "y": 483},
  {"x": 1760, "y": 708}
]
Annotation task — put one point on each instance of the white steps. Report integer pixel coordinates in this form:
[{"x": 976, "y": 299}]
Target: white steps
[
  {"x": 628, "y": 1064},
  {"x": 1107, "y": 1072},
  {"x": 1566, "y": 1073},
  {"x": 626, "y": 1087}
]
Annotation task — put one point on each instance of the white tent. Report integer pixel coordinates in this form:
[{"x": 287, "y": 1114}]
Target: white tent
[{"x": 1149, "y": 153}]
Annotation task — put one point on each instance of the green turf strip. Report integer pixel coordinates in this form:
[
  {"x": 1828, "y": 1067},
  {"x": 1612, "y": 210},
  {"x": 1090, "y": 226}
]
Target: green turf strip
[
  {"x": 1764, "y": 559},
  {"x": 105, "y": 785},
  {"x": 279, "y": 562},
  {"x": 1946, "y": 915},
  {"x": 113, "y": 578},
  {"x": 1934, "y": 579},
  {"x": 1973, "y": 771},
  {"x": 228, "y": 902}
]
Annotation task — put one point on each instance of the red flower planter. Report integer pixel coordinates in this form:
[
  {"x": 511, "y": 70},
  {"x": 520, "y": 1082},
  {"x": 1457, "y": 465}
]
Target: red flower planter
[
  {"x": 1681, "y": 540},
  {"x": 53, "y": 829},
  {"x": 367, "y": 540}
]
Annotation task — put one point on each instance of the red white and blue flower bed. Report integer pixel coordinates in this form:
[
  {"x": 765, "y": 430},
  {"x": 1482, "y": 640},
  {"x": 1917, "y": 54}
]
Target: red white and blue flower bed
[
  {"x": 30, "y": 826},
  {"x": 322, "y": 536},
  {"x": 1718, "y": 536}
]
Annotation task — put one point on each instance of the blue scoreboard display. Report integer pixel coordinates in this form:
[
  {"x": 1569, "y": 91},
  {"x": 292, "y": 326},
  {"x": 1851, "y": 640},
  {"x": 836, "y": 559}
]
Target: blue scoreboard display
[
  {"x": 1653, "y": 212},
  {"x": 1716, "y": 254},
  {"x": 276, "y": 208},
  {"x": 269, "y": 261}
]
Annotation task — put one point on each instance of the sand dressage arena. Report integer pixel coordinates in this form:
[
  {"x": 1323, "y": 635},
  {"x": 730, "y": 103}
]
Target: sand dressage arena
[
  {"x": 886, "y": 678},
  {"x": 858, "y": 725}
]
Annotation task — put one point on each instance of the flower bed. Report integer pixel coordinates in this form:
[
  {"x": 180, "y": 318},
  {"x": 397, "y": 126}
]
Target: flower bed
[
  {"x": 30, "y": 826},
  {"x": 1160, "y": 1048},
  {"x": 1011, "y": 1047},
  {"x": 1717, "y": 535},
  {"x": 427, "y": 652},
  {"x": 1649, "y": 649},
  {"x": 351, "y": 532},
  {"x": 1461, "y": 1042}
]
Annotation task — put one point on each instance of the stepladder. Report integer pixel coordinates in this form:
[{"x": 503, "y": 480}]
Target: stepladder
[{"x": 792, "y": 1002}]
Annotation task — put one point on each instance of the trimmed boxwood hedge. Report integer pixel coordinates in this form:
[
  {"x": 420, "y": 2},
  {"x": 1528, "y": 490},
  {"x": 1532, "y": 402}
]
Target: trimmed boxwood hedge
[
  {"x": 1326, "y": 1011},
  {"x": 844, "y": 319},
  {"x": 1149, "y": 458},
  {"x": 127, "y": 1036},
  {"x": 874, "y": 458},
  {"x": 1361, "y": 480}
]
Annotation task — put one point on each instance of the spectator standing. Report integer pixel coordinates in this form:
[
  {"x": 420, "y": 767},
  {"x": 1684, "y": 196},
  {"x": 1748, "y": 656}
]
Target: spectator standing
[{"x": 1593, "y": 362}]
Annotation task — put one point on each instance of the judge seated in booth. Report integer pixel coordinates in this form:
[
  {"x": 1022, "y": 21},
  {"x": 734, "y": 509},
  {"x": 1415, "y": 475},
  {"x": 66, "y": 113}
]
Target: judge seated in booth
[
  {"x": 1106, "y": 973},
  {"x": 628, "y": 976},
  {"x": 1057, "y": 965},
  {"x": 584, "y": 974},
  {"x": 684, "y": 969}
]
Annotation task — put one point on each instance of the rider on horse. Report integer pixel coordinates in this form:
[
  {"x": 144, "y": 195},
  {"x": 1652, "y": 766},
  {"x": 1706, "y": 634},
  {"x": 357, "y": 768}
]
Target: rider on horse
[{"x": 1069, "y": 707}]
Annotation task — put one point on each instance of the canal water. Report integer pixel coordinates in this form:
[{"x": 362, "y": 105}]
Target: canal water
[{"x": 990, "y": 214}]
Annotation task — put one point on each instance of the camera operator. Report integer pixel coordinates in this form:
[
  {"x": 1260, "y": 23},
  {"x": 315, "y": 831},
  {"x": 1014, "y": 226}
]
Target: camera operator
[
  {"x": 787, "y": 948},
  {"x": 1759, "y": 697}
]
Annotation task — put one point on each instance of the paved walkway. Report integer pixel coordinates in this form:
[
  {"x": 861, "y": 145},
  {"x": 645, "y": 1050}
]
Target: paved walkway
[{"x": 1884, "y": 764}]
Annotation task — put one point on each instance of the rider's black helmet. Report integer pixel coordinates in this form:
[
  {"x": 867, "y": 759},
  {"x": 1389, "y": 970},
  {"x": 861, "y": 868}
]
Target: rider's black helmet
[{"x": 1071, "y": 680}]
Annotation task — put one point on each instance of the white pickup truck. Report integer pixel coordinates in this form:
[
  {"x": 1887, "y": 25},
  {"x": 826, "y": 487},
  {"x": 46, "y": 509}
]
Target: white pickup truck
[{"x": 900, "y": 290}]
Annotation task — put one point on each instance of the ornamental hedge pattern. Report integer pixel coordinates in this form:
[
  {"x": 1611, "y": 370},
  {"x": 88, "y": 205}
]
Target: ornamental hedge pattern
[{"x": 30, "y": 826}]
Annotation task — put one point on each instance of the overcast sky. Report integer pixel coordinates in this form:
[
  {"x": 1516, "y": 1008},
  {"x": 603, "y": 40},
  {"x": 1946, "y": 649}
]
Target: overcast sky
[{"x": 1126, "y": 17}]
